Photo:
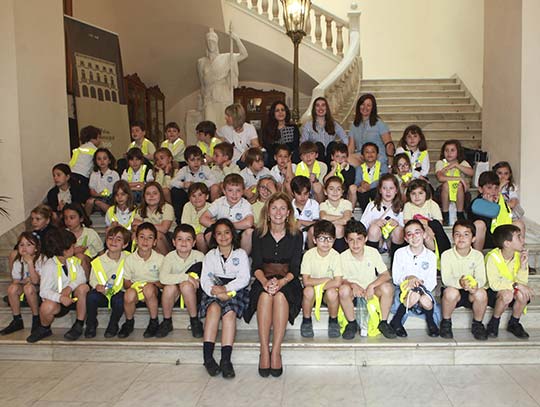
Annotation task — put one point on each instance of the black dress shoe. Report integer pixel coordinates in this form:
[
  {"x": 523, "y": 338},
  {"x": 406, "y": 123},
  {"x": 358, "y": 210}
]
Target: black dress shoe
[
  {"x": 400, "y": 331},
  {"x": 90, "y": 331},
  {"x": 75, "y": 332},
  {"x": 433, "y": 330},
  {"x": 263, "y": 372},
  {"x": 227, "y": 369},
  {"x": 212, "y": 367},
  {"x": 40, "y": 333},
  {"x": 14, "y": 326},
  {"x": 112, "y": 330},
  {"x": 197, "y": 329}
]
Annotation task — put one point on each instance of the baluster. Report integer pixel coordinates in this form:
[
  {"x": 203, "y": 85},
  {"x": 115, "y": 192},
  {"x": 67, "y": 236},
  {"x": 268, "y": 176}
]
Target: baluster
[
  {"x": 318, "y": 29},
  {"x": 308, "y": 25},
  {"x": 339, "y": 40},
  {"x": 264, "y": 6},
  {"x": 275, "y": 11},
  {"x": 329, "y": 38}
]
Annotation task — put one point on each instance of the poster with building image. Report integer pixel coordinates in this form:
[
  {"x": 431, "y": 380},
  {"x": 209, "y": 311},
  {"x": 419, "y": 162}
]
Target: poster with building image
[{"x": 95, "y": 79}]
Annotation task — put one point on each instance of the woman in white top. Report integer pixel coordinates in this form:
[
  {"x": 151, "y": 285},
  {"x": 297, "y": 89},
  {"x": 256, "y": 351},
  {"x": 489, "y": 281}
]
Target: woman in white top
[{"x": 240, "y": 134}]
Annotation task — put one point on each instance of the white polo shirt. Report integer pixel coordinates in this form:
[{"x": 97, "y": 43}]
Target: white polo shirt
[
  {"x": 99, "y": 182},
  {"x": 310, "y": 211},
  {"x": 372, "y": 214},
  {"x": 278, "y": 175},
  {"x": 204, "y": 175},
  {"x": 220, "y": 208},
  {"x": 236, "y": 266},
  {"x": 422, "y": 266},
  {"x": 251, "y": 179}
]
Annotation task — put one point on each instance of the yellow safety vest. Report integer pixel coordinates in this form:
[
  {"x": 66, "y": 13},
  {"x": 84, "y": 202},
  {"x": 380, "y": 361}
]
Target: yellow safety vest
[
  {"x": 376, "y": 174},
  {"x": 208, "y": 149},
  {"x": 505, "y": 215},
  {"x": 111, "y": 212},
  {"x": 338, "y": 173},
  {"x": 303, "y": 169},
  {"x": 102, "y": 277},
  {"x": 453, "y": 185},
  {"x": 502, "y": 267},
  {"x": 131, "y": 173},
  {"x": 406, "y": 177},
  {"x": 79, "y": 151},
  {"x": 144, "y": 145},
  {"x": 72, "y": 272},
  {"x": 420, "y": 158}
]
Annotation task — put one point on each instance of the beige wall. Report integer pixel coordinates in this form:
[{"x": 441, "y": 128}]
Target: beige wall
[
  {"x": 502, "y": 82},
  {"x": 33, "y": 60},
  {"x": 420, "y": 38},
  {"x": 530, "y": 108}
]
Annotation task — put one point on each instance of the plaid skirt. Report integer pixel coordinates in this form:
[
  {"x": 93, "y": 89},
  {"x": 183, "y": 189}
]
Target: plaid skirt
[{"x": 238, "y": 303}]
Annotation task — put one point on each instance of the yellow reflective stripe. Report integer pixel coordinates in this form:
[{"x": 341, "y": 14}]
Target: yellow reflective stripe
[
  {"x": 319, "y": 291},
  {"x": 406, "y": 177},
  {"x": 142, "y": 172},
  {"x": 303, "y": 169},
  {"x": 502, "y": 267},
  {"x": 387, "y": 229},
  {"x": 77, "y": 152},
  {"x": 376, "y": 174},
  {"x": 504, "y": 217},
  {"x": 338, "y": 173},
  {"x": 71, "y": 270}
]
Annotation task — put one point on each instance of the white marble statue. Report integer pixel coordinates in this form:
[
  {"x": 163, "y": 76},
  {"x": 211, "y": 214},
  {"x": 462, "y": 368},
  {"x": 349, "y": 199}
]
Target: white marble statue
[{"x": 218, "y": 74}]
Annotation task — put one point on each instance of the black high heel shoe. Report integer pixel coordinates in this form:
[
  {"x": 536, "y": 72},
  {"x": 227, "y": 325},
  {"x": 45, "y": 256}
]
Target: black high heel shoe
[
  {"x": 276, "y": 372},
  {"x": 263, "y": 372}
]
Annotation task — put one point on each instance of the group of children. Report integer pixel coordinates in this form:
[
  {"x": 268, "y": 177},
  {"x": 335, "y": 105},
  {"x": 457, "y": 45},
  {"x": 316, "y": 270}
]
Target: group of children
[{"x": 180, "y": 222}]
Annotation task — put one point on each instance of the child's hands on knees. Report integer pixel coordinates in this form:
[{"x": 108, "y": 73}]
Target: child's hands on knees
[
  {"x": 100, "y": 288},
  {"x": 369, "y": 292},
  {"x": 358, "y": 291},
  {"x": 66, "y": 300},
  {"x": 194, "y": 282}
]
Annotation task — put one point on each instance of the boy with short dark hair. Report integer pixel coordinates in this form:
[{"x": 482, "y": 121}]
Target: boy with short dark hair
[
  {"x": 138, "y": 134},
  {"x": 364, "y": 275},
  {"x": 340, "y": 167},
  {"x": 194, "y": 171},
  {"x": 222, "y": 166},
  {"x": 321, "y": 274},
  {"x": 174, "y": 142},
  {"x": 283, "y": 171},
  {"x": 197, "y": 205},
  {"x": 367, "y": 177},
  {"x": 312, "y": 169},
  {"x": 207, "y": 140},
  {"x": 82, "y": 159},
  {"x": 507, "y": 271},
  {"x": 179, "y": 275},
  {"x": 463, "y": 275},
  {"x": 254, "y": 171},
  {"x": 306, "y": 209},
  {"x": 234, "y": 207}
]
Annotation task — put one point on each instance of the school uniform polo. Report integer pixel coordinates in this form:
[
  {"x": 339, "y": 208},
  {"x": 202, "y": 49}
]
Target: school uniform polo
[
  {"x": 221, "y": 173},
  {"x": 100, "y": 182},
  {"x": 496, "y": 281},
  {"x": 251, "y": 179},
  {"x": 221, "y": 208},
  {"x": 48, "y": 286},
  {"x": 342, "y": 207},
  {"x": 359, "y": 176},
  {"x": 256, "y": 209},
  {"x": 64, "y": 196},
  {"x": 323, "y": 168},
  {"x": 123, "y": 216},
  {"x": 85, "y": 162},
  {"x": 430, "y": 210},
  {"x": 147, "y": 147},
  {"x": 278, "y": 175},
  {"x": 155, "y": 218},
  {"x": 90, "y": 239},
  {"x": 20, "y": 271},
  {"x": 138, "y": 269},
  {"x": 138, "y": 176},
  {"x": 362, "y": 272},
  {"x": 185, "y": 174},
  {"x": 317, "y": 266},
  {"x": 110, "y": 267},
  {"x": 164, "y": 179},
  {"x": 454, "y": 266},
  {"x": 372, "y": 213},
  {"x": 173, "y": 270},
  {"x": 309, "y": 213},
  {"x": 419, "y": 168},
  {"x": 176, "y": 148},
  {"x": 423, "y": 266},
  {"x": 235, "y": 267},
  {"x": 192, "y": 216}
]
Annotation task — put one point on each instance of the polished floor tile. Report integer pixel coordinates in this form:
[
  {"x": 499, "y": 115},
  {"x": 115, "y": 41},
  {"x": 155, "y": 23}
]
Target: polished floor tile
[
  {"x": 174, "y": 373},
  {"x": 144, "y": 393},
  {"x": 526, "y": 376},
  {"x": 22, "y": 391}
]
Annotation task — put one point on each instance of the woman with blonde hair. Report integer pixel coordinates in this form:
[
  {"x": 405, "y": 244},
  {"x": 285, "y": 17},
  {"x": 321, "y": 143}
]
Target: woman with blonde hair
[
  {"x": 276, "y": 293},
  {"x": 240, "y": 134}
]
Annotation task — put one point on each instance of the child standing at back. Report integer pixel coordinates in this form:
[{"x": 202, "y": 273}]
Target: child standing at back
[
  {"x": 321, "y": 273},
  {"x": 197, "y": 205},
  {"x": 25, "y": 274},
  {"x": 336, "y": 209},
  {"x": 102, "y": 181},
  {"x": 451, "y": 170},
  {"x": 174, "y": 142},
  {"x": 179, "y": 274},
  {"x": 312, "y": 169},
  {"x": 141, "y": 281},
  {"x": 254, "y": 171},
  {"x": 138, "y": 134},
  {"x": 367, "y": 177},
  {"x": 507, "y": 271},
  {"x": 138, "y": 173},
  {"x": 107, "y": 282},
  {"x": 81, "y": 161},
  {"x": 414, "y": 271},
  {"x": 414, "y": 144}
]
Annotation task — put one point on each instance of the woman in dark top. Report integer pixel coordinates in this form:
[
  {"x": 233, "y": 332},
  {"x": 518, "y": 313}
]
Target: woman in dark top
[
  {"x": 276, "y": 293},
  {"x": 279, "y": 130}
]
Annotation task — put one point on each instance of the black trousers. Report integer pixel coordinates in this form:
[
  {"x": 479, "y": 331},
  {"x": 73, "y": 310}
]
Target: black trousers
[{"x": 95, "y": 299}]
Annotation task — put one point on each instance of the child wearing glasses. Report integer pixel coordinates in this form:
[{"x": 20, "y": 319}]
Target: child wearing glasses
[{"x": 319, "y": 270}]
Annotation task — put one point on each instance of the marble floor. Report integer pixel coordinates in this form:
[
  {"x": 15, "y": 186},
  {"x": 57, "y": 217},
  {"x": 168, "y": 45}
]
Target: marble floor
[{"x": 140, "y": 384}]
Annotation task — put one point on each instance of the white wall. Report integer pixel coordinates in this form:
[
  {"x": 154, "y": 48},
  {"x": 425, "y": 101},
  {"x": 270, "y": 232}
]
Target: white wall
[
  {"x": 530, "y": 107},
  {"x": 33, "y": 107},
  {"x": 420, "y": 38}
]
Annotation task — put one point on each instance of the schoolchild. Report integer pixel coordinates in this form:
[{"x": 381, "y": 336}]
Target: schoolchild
[
  {"x": 65, "y": 191},
  {"x": 312, "y": 169},
  {"x": 174, "y": 142},
  {"x": 207, "y": 140},
  {"x": 122, "y": 212},
  {"x": 138, "y": 173},
  {"x": 81, "y": 160},
  {"x": 222, "y": 166},
  {"x": 367, "y": 178},
  {"x": 165, "y": 169},
  {"x": 336, "y": 209},
  {"x": 197, "y": 205},
  {"x": 306, "y": 209},
  {"x": 138, "y": 134},
  {"x": 102, "y": 181},
  {"x": 254, "y": 171},
  {"x": 414, "y": 144}
]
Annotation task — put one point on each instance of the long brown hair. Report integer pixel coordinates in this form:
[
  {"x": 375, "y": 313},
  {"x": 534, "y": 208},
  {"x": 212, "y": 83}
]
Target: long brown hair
[
  {"x": 373, "y": 117},
  {"x": 34, "y": 241},
  {"x": 397, "y": 203},
  {"x": 329, "y": 125},
  {"x": 143, "y": 207},
  {"x": 291, "y": 226},
  {"x": 271, "y": 133}
]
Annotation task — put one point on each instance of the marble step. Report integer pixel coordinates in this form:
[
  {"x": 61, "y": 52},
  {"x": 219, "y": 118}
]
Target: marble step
[
  {"x": 412, "y": 117},
  {"x": 423, "y": 100},
  {"x": 393, "y": 87},
  {"x": 461, "y": 319},
  {"x": 424, "y": 107},
  {"x": 424, "y": 81},
  {"x": 426, "y": 125},
  {"x": 399, "y": 93},
  {"x": 181, "y": 348}
]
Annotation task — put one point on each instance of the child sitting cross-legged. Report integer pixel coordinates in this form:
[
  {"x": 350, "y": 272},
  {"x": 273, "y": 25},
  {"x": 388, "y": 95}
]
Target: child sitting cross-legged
[
  {"x": 179, "y": 275},
  {"x": 414, "y": 271},
  {"x": 107, "y": 282},
  {"x": 464, "y": 278},
  {"x": 141, "y": 280},
  {"x": 320, "y": 273},
  {"x": 364, "y": 275},
  {"x": 62, "y": 285},
  {"x": 507, "y": 272}
]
